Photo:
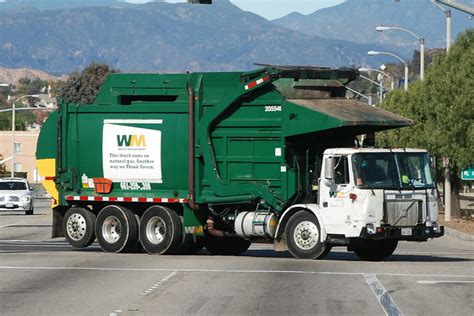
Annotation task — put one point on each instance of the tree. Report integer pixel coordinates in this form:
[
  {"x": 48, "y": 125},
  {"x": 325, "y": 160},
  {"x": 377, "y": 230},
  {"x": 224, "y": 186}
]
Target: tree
[
  {"x": 82, "y": 88},
  {"x": 443, "y": 108}
]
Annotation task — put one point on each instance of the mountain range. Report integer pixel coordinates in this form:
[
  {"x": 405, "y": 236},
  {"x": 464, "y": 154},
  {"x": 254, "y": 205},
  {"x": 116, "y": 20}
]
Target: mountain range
[
  {"x": 63, "y": 36},
  {"x": 356, "y": 20}
]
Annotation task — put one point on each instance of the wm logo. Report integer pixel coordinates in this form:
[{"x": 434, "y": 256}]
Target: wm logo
[{"x": 131, "y": 141}]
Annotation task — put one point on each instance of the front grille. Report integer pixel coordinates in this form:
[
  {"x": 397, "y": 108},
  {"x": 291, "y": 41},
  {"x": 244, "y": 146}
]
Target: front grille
[
  {"x": 403, "y": 212},
  {"x": 13, "y": 198}
]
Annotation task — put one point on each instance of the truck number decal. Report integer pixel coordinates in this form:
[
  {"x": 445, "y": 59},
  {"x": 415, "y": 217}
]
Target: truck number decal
[
  {"x": 135, "y": 186},
  {"x": 273, "y": 108}
]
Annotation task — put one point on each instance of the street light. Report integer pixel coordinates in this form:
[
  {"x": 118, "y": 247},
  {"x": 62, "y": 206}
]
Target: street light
[
  {"x": 367, "y": 97},
  {"x": 457, "y": 5},
  {"x": 447, "y": 13},
  {"x": 420, "y": 39},
  {"x": 374, "y": 53},
  {"x": 392, "y": 83},
  {"x": 13, "y": 128}
]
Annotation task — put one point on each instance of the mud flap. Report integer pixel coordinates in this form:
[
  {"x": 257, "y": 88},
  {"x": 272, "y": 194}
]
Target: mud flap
[{"x": 57, "y": 225}]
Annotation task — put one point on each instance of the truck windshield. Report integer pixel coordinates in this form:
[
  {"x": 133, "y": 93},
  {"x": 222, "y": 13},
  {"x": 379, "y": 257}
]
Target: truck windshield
[{"x": 392, "y": 171}]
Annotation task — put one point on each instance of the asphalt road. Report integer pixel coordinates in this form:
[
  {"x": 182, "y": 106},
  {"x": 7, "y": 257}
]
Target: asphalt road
[{"x": 40, "y": 276}]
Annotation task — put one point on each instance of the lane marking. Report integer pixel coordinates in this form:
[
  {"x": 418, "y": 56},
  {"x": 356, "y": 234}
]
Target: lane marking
[
  {"x": 8, "y": 225},
  {"x": 159, "y": 283},
  {"x": 443, "y": 281},
  {"x": 22, "y": 241},
  {"x": 150, "y": 290},
  {"x": 232, "y": 271},
  {"x": 252, "y": 247},
  {"x": 382, "y": 295},
  {"x": 35, "y": 245},
  {"x": 401, "y": 252}
]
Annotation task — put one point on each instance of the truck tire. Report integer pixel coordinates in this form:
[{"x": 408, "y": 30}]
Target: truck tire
[
  {"x": 226, "y": 246},
  {"x": 374, "y": 250},
  {"x": 187, "y": 246},
  {"x": 327, "y": 250},
  {"x": 160, "y": 230},
  {"x": 79, "y": 227},
  {"x": 117, "y": 229},
  {"x": 303, "y": 236}
]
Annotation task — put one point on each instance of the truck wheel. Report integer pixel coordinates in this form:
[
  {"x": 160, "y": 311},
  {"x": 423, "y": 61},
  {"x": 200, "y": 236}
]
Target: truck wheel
[
  {"x": 226, "y": 246},
  {"x": 160, "y": 230},
  {"x": 327, "y": 250},
  {"x": 302, "y": 235},
  {"x": 79, "y": 227},
  {"x": 188, "y": 246},
  {"x": 374, "y": 250},
  {"x": 117, "y": 229}
]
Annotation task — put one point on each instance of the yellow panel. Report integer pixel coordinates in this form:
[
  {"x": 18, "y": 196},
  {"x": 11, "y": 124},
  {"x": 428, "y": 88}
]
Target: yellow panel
[{"x": 47, "y": 170}]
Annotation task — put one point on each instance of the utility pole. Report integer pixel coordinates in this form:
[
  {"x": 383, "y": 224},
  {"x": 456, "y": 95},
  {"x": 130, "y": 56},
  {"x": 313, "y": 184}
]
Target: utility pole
[
  {"x": 448, "y": 30},
  {"x": 447, "y": 190},
  {"x": 448, "y": 15}
]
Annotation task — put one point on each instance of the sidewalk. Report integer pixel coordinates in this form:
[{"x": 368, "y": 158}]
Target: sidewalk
[{"x": 459, "y": 228}]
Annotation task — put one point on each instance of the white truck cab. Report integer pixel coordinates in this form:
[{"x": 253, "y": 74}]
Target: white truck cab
[
  {"x": 382, "y": 193},
  {"x": 367, "y": 199}
]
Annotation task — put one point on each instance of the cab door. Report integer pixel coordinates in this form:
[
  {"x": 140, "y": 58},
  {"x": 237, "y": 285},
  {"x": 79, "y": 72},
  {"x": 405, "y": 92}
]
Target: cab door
[{"x": 334, "y": 194}]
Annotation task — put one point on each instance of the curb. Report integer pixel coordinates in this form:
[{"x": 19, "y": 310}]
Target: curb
[{"x": 457, "y": 234}]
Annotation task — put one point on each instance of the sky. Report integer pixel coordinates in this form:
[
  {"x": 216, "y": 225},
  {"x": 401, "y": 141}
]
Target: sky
[{"x": 272, "y": 9}]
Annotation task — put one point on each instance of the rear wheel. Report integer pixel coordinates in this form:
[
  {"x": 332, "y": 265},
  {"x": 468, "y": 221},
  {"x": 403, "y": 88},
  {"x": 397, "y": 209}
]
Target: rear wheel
[
  {"x": 226, "y": 246},
  {"x": 117, "y": 229},
  {"x": 303, "y": 236},
  {"x": 160, "y": 230},
  {"x": 374, "y": 250},
  {"x": 79, "y": 227}
]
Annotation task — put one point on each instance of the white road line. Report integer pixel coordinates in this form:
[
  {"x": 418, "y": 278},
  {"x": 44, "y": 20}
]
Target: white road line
[
  {"x": 8, "y": 225},
  {"x": 159, "y": 283},
  {"x": 35, "y": 245},
  {"x": 433, "y": 252},
  {"x": 401, "y": 252},
  {"x": 233, "y": 271},
  {"x": 252, "y": 247},
  {"x": 397, "y": 252},
  {"x": 382, "y": 295},
  {"x": 443, "y": 281}
]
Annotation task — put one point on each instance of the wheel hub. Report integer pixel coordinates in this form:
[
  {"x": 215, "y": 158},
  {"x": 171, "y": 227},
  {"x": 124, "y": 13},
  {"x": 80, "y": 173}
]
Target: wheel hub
[
  {"x": 111, "y": 229},
  {"x": 76, "y": 226},
  {"x": 306, "y": 235},
  {"x": 156, "y": 230}
]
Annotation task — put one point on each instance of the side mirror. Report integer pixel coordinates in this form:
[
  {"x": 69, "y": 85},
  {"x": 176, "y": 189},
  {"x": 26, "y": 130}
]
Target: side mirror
[{"x": 329, "y": 169}]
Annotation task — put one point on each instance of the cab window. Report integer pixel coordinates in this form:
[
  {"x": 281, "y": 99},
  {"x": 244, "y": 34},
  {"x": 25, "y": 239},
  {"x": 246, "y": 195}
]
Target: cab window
[{"x": 341, "y": 170}]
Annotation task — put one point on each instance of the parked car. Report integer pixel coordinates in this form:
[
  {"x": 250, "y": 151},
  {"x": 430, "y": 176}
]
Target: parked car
[{"x": 16, "y": 195}]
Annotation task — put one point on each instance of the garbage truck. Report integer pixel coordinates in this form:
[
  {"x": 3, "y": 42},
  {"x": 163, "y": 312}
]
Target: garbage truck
[{"x": 172, "y": 163}]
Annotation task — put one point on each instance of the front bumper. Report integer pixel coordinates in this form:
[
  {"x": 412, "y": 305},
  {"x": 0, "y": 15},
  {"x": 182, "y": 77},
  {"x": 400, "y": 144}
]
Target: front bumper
[
  {"x": 418, "y": 233},
  {"x": 15, "y": 206}
]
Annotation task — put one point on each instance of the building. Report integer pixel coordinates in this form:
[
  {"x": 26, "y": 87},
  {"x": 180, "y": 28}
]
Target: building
[{"x": 25, "y": 151}]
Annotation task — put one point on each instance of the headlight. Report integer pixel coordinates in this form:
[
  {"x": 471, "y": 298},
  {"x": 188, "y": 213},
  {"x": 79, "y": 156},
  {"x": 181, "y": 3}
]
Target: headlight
[{"x": 26, "y": 199}]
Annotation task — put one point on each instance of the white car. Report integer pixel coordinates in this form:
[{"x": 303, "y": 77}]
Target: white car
[{"x": 16, "y": 195}]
